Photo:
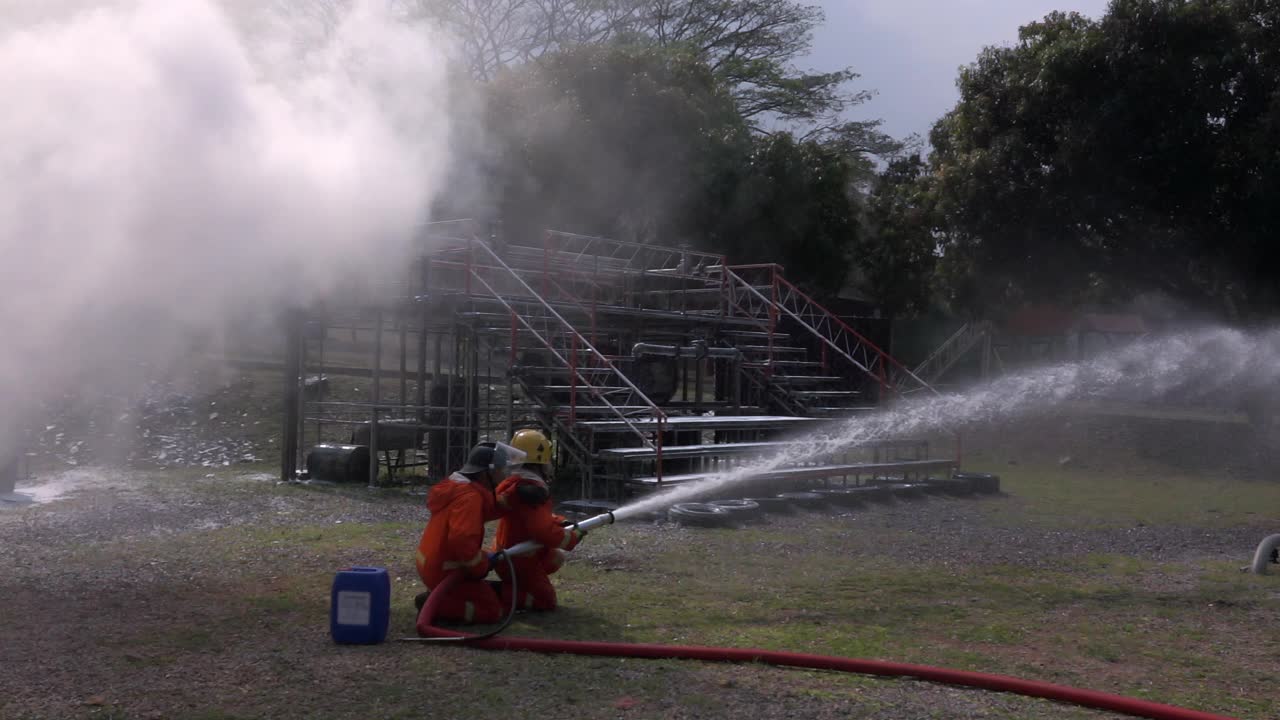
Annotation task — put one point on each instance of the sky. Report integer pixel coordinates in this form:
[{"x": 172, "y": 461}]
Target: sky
[{"x": 909, "y": 51}]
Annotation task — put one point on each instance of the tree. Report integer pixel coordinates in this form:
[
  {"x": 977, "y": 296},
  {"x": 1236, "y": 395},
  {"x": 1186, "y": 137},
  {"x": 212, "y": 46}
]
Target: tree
[
  {"x": 1094, "y": 159},
  {"x": 751, "y": 45},
  {"x": 612, "y": 140},
  {"x": 789, "y": 203},
  {"x": 646, "y": 144},
  {"x": 896, "y": 253}
]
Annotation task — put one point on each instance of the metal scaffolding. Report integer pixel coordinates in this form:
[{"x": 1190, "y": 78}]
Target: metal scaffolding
[{"x": 646, "y": 364}]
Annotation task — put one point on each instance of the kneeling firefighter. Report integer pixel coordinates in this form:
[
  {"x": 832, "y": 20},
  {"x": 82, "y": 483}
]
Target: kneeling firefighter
[
  {"x": 528, "y": 499},
  {"x": 453, "y": 540}
]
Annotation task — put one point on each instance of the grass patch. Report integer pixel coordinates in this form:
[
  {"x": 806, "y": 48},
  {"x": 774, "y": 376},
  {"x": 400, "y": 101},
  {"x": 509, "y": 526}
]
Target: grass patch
[
  {"x": 377, "y": 541},
  {"x": 1068, "y": 497}
]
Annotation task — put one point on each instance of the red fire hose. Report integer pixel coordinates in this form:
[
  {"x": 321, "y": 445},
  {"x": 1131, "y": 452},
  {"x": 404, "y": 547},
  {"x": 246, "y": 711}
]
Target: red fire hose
[{"x": 998, "y": 683}]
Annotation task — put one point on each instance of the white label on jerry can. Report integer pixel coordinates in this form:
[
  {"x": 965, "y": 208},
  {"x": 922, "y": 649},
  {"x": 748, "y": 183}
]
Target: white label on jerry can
[{"x": 354, "y": 607}]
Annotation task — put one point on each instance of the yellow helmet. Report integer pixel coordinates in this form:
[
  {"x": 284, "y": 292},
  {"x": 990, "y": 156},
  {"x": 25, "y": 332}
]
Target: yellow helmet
[{"x": 535, "y": 445}]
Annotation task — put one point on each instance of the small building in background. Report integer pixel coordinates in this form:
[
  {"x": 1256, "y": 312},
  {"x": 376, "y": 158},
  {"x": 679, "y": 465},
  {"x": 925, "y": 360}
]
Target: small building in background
[{"x": 1057, "y": 334}]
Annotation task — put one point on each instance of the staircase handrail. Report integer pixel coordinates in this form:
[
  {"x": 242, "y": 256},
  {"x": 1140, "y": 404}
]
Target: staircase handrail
[
  {"x": 583, "y": 343},
  {"x": 883, "y": 356},
  {"x": 951, "y": 344}
]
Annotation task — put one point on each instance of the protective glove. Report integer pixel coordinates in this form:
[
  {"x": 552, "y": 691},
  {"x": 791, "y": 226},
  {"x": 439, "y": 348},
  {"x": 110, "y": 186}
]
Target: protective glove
[{"x": 495, "y": 558}]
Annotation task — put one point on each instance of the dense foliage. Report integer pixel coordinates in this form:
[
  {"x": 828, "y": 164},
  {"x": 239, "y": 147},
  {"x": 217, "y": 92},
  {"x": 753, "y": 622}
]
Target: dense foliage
[{"x": 1096, "y": 159}]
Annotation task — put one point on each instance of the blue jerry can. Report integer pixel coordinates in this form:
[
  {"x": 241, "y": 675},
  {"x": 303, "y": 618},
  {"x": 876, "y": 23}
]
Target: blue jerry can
[{"x": 360, "y": 606}]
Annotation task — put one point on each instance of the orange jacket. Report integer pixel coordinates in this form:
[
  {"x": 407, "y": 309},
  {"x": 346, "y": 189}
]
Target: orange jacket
[
  {"x": 454, "y": 536},
  {"x": 530, "y": 516}
]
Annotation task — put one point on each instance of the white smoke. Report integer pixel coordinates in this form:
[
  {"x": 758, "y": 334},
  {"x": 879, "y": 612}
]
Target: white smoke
[{"x": 160, "y": 173}]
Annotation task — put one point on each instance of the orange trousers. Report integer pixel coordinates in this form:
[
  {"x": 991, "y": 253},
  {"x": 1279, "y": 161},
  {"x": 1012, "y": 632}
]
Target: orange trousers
[
  {"x": 532, "y": 580},
  {"x": 471, "y": 601}
]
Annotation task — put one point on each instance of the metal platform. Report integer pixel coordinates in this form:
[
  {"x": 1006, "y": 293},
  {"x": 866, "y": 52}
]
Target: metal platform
[
  {"x": 717, "y": 422},
  {"x": 501, "y": 333},
  {"x": 908, "y": 469},
  {"x": 711, "y": 450}
]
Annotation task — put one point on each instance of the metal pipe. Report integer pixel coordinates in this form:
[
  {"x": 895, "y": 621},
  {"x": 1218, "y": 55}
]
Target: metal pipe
[
  {"x": 324, "y": 334},
  {"x": 293, "y": 363},
  {"x": 657, "y": 448},
  {"x": 1266, "y": 550},
  {"x": 697, "y": 384},
  {"x": 684, "y": 380},
  {"x": 404, "y": 359},
  {"x": 377, "y": 398},
  {"x": 422, "y": 369},
  {"x": 737, "y": 382},
  {"x": 448, "y": 401},
  {"x": 473, "y": 388},
  {"x": 698, "y": 350},
  {"x": 573, "y": 380}
]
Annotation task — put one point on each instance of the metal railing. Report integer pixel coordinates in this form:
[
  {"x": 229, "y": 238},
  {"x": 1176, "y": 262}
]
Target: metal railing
[
  {"x": 785, "y": 299},
  {"x": 575, "y": 250},
  {"x": 573, "y": 352},
  {"x": 738, "y": 303},
  {"x": 949, "y": 352}
]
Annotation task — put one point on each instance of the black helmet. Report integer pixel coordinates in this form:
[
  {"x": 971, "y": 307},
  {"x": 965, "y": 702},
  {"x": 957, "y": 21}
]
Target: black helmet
[{"x": 491, "y": 456}]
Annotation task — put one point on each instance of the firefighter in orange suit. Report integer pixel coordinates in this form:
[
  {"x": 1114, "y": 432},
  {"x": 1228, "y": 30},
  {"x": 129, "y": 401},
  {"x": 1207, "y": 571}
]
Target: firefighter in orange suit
[
  {"x": 528, "y": 499},
  {"x": 453, "y": 540}
]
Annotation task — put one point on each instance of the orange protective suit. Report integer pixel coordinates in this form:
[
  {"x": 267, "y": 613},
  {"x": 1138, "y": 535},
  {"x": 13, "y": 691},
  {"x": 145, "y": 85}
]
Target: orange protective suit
[
  {"x": 453, "y": 542},
  {"x": 530, "y": 518}
]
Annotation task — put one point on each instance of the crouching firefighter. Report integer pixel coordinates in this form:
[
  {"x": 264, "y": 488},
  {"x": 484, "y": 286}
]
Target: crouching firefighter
[
  {"x": 527, "y": 498},
  {"x": 453, "y": 540}
]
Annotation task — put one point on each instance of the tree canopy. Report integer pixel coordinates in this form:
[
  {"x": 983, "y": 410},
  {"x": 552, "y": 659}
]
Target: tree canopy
[
  {"x": 752, "y": 46},
  {"x": 788, "y": 202},
  {"x": 646, "y": 144},
  {"x": 611, "y": 140},
  {"x": 1094, "y": 159},
  {"x": 895, "y": 257}
]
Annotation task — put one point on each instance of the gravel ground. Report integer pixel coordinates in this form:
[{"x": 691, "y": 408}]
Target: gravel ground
[{"x": 86, "y": 575}]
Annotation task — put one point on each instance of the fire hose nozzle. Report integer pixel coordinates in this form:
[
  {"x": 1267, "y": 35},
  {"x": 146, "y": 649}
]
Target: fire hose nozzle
[
  {"x": 528, "y": 547},
  {"x": 605, "y": 518}
]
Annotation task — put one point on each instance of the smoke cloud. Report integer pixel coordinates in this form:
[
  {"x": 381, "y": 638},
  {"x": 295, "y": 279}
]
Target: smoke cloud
[{"x": 163, "y": 170}]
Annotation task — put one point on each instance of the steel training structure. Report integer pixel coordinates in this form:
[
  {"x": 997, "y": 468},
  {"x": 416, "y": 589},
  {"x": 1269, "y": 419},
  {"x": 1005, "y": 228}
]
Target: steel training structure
[{"x": 649, "y": 366}]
